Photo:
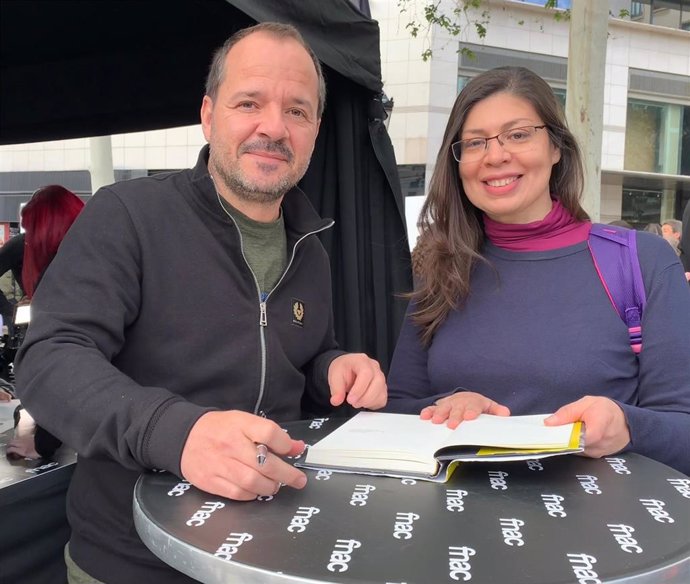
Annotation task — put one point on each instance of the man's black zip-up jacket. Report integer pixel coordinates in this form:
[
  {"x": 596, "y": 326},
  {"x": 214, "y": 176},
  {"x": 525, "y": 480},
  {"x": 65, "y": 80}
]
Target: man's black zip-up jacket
[{"x": 148, "y": 318}]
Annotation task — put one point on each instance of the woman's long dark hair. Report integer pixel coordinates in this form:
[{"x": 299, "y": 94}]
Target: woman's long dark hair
[
  {"x": 451, "y": 228},
  {"x": 46, "y": 218}
]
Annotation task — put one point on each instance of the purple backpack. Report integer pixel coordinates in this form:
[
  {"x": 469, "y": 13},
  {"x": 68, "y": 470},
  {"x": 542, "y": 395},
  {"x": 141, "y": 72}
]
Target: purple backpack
[{"x": 614, "y": 251}]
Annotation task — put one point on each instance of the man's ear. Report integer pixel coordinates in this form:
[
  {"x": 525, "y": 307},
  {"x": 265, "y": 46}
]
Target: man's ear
[{"x": 206, "y": 116}]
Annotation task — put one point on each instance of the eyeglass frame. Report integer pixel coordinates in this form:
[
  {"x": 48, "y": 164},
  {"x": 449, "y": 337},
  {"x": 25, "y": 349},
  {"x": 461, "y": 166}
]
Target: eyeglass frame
[{"x": 486, "y": 141}]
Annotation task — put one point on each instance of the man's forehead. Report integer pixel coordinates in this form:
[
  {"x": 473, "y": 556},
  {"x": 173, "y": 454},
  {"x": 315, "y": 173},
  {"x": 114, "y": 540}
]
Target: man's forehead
[
  {"x": 262, "y": 49},
  {"x": 265, "y": 60}
]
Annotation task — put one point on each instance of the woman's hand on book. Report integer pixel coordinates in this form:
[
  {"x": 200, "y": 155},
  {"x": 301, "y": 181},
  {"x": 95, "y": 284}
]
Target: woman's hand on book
[
  {"x": 606, "y": 429},
  {"x": 463, "y": 405}
]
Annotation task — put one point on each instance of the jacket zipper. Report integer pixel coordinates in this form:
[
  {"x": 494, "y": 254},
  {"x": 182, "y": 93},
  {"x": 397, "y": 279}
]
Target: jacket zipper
[
  {"x": 263, "y": 320},
  {"x": 263, "y": 299}
]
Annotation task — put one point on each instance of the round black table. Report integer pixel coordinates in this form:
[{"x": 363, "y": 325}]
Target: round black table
[{"x": 564, "y": 520}]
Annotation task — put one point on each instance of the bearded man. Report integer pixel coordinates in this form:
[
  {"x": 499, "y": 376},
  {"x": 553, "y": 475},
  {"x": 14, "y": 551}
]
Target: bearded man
[{"x": 186, "y": 313}]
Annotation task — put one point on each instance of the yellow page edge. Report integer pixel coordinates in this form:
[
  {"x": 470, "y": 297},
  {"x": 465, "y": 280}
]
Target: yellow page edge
[{"x": 575, "y": 443}]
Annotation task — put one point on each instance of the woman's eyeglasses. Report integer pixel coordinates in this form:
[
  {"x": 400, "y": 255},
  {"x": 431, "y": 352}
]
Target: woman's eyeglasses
[{"x": 513, "y": 140}]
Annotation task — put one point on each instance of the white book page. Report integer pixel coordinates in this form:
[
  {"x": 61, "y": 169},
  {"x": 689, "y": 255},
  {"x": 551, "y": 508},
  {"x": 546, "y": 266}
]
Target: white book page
[
  {"x": 375, "y": 435},
  {"x": 510, "y": 432}
]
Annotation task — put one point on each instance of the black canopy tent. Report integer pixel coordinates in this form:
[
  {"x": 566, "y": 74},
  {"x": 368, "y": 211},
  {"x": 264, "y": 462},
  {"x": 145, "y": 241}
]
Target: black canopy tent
[{"x": 77, "y": 68}]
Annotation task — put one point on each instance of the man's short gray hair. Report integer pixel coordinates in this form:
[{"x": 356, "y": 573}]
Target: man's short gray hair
[
  {"x": 675, "y": 225},
  {"x": 278, "y": 30}
]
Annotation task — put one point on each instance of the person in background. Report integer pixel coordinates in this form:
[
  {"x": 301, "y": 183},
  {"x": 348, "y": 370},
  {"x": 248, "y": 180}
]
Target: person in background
[
  {"x": 509, "y": 315},
  {"x": 188, "y": 313},
  {"x": 46, "y": 218},
  {"x": 11, "y": 259},
  {"x": 654, "y": 228},
  {"x": 671, "y": 231}
]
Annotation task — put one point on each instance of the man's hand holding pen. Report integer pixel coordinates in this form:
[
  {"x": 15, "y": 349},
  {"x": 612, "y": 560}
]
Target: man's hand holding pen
[{"x": 238, "y": 455}]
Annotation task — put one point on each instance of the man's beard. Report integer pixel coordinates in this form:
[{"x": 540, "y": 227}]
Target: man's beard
[{"x": 234, "y": 179}]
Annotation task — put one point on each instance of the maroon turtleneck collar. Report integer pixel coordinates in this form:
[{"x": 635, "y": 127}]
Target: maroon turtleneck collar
[{"x": 558, "y": 229}]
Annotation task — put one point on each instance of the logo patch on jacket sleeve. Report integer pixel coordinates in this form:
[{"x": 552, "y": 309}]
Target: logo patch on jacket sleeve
[{"x": 297, "y": 312}]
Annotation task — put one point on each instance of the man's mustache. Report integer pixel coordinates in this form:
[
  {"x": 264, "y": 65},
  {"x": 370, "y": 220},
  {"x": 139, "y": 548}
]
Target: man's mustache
[{"x": 267, "y": 146}]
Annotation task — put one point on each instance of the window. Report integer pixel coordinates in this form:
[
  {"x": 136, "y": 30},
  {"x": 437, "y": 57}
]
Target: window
[
  {"x": 411, "y": 179},
  {"x": 654, "y": 140},
  {"x": 642, "y": 131},
  {"x": 636, "y": 9},
  {"x": 641, "y": 207},
  {"x": 563, "y": 4},
  {"x": 685, "y": 143}
]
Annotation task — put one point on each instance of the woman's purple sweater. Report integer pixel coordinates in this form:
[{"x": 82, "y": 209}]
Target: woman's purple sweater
[{"x": 538, "y": 331}]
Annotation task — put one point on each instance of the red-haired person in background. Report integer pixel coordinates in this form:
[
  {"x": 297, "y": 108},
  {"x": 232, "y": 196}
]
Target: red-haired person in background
[{"x": 46, "y": 218}]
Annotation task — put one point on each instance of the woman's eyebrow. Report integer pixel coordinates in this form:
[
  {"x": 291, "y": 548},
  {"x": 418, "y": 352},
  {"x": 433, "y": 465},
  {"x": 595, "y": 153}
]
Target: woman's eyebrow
[{"x": 516, "y": 123}]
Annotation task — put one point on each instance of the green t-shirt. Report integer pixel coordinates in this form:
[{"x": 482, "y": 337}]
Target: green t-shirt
[{"x": 264, "y": 246}]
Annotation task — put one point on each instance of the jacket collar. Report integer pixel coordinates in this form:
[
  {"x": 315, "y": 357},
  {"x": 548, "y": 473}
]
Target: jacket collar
[{"x": 299, "y": 214}]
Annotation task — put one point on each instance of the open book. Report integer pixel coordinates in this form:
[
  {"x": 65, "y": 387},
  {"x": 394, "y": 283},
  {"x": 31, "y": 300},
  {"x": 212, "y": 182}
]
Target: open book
[{"x": 403, "y": 445}]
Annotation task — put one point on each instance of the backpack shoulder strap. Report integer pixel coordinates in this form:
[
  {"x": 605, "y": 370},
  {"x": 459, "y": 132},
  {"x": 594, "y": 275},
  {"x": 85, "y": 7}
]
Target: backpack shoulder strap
[{"x": 614, "y": 251}]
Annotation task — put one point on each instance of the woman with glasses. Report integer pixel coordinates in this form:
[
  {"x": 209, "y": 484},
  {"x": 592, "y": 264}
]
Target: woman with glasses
[{"x": 508, "y": 315}]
